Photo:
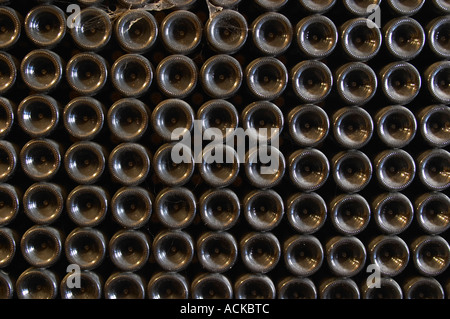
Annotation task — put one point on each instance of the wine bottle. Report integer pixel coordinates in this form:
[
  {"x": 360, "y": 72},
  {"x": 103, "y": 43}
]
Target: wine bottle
[
  {"x": 173, "y": 250},
  {"x": 217, "y": 252},
  {"x": 128, "y": 119},
  {"x": 87, "y": 205},
  {"x": 361, "y": 8},
  {"x": 124, "y": 285},
  {"x": 270, "y": 5},
  {"x": 393, "y": 212},
  {"x": 400, "y": 82},
  {"x": 395, "y": 169},
  {"x": 9, "y": 65},
  {"x": 220, "y": 165},
  {"x": 308, "y": 169},
  {"x": 396, "y": 126},
  {"x": 263, "y": 209},
  {"x": 306, "y": 212},
  {"x": 359, "y": 40},
  {"x": 129, "y": 163},
  {"x": 264, "y": 166},
  {"x": 85, "y": 247},
  {"x": 303, "y": 255},
  {"x": 441, "y": 5},
  {"x": 352, "y": 170},
  {"x": 12, "y": 27},
  {"x": 339, "y": 288},
  {"x": 433, "y": 122},
  {"x": 7, "y": 111},
  {"x": 181, "y": 32},
  {"x": 136, "y": 31},
  {"x": 406, "y": 8},
  {"x": 168, "y": 285},
  {"x": 168, "y": 171},
  {"x": 432, "y": 212},
  {"x": 225, "y": 3},
  {"x": 308, "y": 125},
  {"x": 132, "y": 75},
  {"x": 85, "y": 162},
  {"x": 430, "y": 254},
  {"x": 132, "y": 207},
  {"x": 314, "y": 6},
  {"x": 9, "y": 240},
  {"x": 87, "y": 73},
  {"x": 404, "y": 38},
  {"x": 83, "y": 117},
  {"x": 41, "y": 159},
  {"x": 352, "y": 127},
  {"x": 129, "y": 250},
  {"x": 356, "y": 83},
  {"x": 6, "y": 286},
  {"x": 219, "y": 208},
  {"x": 316, "y": 36},
  {"x": 219, "y": 114},
  {"x": 176, "y": 207},
  {"x": 172, "y": 119},
  {"x": 42, "y": 70},
  {"x": 176, "y": 76},
  {"x": 133, "y": 3},
  {"x": 226, "y": 31},
  {"x": 437, "y": 75},
  {"x": 350, "y": 214},
  {"x": 41, "y": 246},
  {"x": 43, "y": 202},
  {"x": 423, "y": 288},
  {"x": 93, "y": 31},
  {"x": 266, "y": 78},
  {"x": 38, "y": 115},
  {"x": 389, "y": 253},
  {"x": 296, "y": 288},
  {"x": 433, "y": 167},
  {"x": 260, "y": 251},
  {"x": 45, "y": 25},
  {"x": 10, "y": 202},
  {"x": 346, "y": 256},
  {"x": 90, "y": 286},
  {"x": 272, "y": 33},
  {"x": 254, "y": 286},
  {"x": 221, "y": 76},
  {"x": 312, "y": 81},
  {"x": 8, "y": 159},
  {"x": 37, "y": 283},
  {"x": 263, "y": 120},
  {"x": 388, "y": 289},
  {"x": 211, "y": 286}
]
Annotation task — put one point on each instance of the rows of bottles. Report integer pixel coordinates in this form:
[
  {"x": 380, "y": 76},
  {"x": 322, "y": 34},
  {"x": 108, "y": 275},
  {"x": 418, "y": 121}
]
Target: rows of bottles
[
  {"x": 87, "y": 175},
  {"x": 43, "y": 282}
]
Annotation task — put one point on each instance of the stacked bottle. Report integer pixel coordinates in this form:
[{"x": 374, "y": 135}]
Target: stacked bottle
[{"x": 96, "y": 137}]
